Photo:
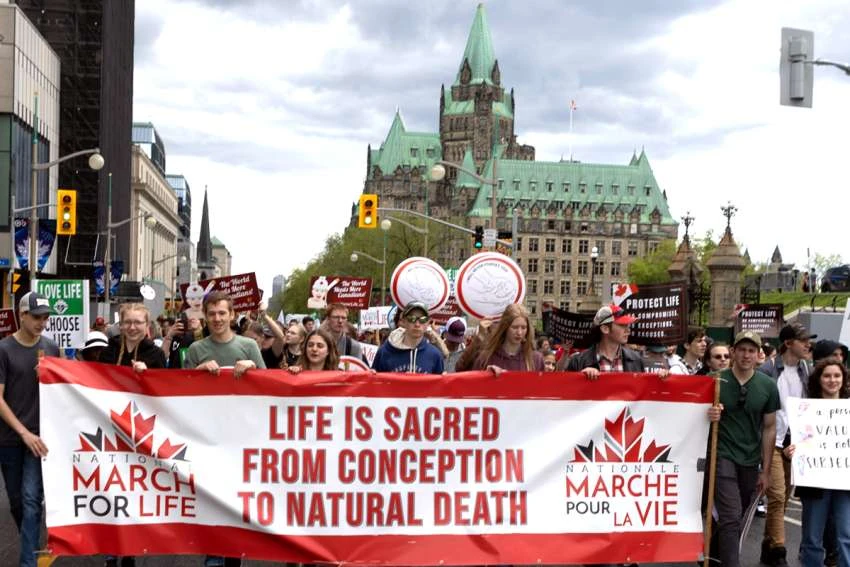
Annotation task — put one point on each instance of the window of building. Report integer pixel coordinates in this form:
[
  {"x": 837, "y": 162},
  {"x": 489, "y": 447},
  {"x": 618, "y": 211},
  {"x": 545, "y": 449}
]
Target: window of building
[
  {"x": 430, "y": 152},
  {"x": 566, "y": 266},
  {"x": 585, "y": 227},
  {"x": 532, "y": 286},
  {"x": 532, "y": 265},
  {"x": 567, "y": 246},
  {"x": 615, "y": 269},
  {"x": 581, "y": 288},
  {"x": 583, "y": 246},
  {"x": 516, "y": 184},
  {"x": 548, "y": 287},
  {"x": 566, "y": 187},
  {"x": 651, "y": 247},
  {"x": 598, "y": 188},
  {"x": 549, "y": 186},
  {"x": 600, "y": 247},
  {"x": 414, "y": 152},
  {"x": 631, "y": 190},
  {"x": 582, "y": 267},
  {"x": 532, "y": 185},
  {"x": 654, "y": 227},
  {"x": 518, "y": 262},
  {"x": 633, "y": 228},
  {"x": 568, "y": 226},
  {"x": 533, "y": 244},
  {"x": 501, "y": 184},
  {"x": 616, "y": 248},
  {"x": 565, "y": 305},
  {"x": 633, "y": 248},
  {"x": 533, "y": 309},
  {"x": 565, "y": 287},
  {"x": 575, "y": 205},
  {"x": 548, "y": 266},
  {"x": 550, "y": 224},
  {"x": 550, "y": 245},
  {"x": 582, "y": 188},
  {"x": 648, "y": 190},
  {"x": 615, "y": 189},
  {"x": 518, "y": 244}
]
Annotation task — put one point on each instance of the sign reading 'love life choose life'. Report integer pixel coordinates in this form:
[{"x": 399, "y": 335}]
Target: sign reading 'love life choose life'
[{"x": 377, "y": 469}]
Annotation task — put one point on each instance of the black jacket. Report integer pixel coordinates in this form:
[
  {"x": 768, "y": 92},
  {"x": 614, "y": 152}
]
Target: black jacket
[
  {"x": 632, "y": 361},
  {"x": 149, "y": 353}
]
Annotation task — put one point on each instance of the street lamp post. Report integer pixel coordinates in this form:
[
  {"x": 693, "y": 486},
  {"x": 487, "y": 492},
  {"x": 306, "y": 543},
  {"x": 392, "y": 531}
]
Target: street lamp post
[
  {"x": 438, "y": 172},
  {"x": 594, "y": 257},
  {"x": 150, "y": 222},
  {"x": 386, "y": 225}
]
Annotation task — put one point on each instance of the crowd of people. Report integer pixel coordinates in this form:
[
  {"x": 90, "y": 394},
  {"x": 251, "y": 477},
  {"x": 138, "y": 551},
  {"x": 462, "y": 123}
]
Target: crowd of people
[{"x": 753, "y": 449}]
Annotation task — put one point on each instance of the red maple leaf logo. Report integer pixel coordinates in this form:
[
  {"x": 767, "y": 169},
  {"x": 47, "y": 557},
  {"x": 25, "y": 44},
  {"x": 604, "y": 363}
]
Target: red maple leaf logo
[
  {"x": 623, "y": 443},
  {"x": 134, "y": 433}
]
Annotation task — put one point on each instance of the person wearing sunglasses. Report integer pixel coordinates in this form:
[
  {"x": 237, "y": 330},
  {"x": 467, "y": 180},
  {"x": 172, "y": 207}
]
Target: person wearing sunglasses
[
  {"x": 407, "y": 349},
  {"x": 749, "y": 400},
  {"x": 716, "y": 358}
]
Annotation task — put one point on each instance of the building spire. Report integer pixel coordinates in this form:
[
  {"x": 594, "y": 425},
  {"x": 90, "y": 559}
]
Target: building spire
[
  {"x": 204, "y": 251},
  {"x": 479, "y": 54}
]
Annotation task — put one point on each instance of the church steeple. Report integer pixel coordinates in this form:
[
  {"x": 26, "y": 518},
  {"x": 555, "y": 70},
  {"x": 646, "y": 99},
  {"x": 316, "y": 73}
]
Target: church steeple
[
  {"x": 479, "y": 59},
  {"x": 204, "y": 252}
]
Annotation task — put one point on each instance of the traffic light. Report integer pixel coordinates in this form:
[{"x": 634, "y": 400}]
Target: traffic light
[
  {"x": 368, "y": 217},
  {"x": 16, "y": 285},
  {"x": 796, "y": 71},
  {"x": 66, "y": 224},
  {"x": 479, "y": 237}
]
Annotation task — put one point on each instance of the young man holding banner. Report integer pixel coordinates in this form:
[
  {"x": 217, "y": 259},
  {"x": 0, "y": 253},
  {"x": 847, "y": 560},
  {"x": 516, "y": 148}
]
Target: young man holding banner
[
  {"x": 21, "y": 448},
  {"x": 749, "y": 400},
  {"x": 610, "y": 334}
]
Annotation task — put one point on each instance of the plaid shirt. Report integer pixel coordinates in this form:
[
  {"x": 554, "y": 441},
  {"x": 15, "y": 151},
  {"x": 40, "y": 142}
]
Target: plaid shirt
[{"x": 606, "y": 365}]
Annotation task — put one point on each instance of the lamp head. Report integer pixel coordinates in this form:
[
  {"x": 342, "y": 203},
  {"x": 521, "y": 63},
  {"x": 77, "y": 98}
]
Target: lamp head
[
  {"x": 150, "y": 221},
  {"x": 386, "y": 225},
  {"x": 96, "y": 161},
  {"x": 438, "y": 172},
  {"x": 354, "y": 257}
]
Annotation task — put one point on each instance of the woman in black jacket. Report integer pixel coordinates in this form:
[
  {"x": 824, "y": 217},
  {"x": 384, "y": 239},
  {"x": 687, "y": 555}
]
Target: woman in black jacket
[{"x": 132, "y": 347}]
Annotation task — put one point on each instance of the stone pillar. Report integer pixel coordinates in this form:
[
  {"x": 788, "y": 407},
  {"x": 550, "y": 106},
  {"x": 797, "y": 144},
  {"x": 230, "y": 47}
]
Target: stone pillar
[
  {"x": 685, "y": 268},
  {"x": 726, "y": 267}
]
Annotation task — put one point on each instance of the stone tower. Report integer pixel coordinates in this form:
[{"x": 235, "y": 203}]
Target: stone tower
[
  {"x": 685, "y": 266},
  {"x": 726, "y": 267}
]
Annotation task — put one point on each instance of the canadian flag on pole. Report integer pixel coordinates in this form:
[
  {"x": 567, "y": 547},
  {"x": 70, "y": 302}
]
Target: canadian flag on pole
[
  {"x": 573, "y": 105},
  {"x": 621, "y": 291}
]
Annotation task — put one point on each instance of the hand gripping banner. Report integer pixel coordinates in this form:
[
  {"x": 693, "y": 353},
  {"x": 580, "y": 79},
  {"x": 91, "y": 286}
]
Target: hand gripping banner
[{"x": 463, "y": 469}]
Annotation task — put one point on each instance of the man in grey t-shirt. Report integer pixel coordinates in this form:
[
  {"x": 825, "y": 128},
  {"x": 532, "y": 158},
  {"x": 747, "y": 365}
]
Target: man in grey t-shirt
[{"x": 21, "y": 448}]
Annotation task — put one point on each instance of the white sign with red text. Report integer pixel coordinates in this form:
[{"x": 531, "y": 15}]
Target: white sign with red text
[{"x": 334, "y": 467}]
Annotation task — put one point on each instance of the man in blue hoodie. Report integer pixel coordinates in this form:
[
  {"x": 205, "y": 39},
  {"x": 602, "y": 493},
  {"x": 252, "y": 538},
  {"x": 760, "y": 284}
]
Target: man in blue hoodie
[{"x": 407, "y": 349}]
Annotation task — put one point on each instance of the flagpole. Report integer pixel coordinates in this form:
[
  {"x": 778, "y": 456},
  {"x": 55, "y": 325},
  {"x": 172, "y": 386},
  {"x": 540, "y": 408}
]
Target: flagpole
[{"x": 572, "y": 106}]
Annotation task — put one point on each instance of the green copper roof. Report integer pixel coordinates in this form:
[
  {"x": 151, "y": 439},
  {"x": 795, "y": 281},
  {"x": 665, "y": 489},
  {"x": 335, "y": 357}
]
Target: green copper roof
[
  {"x": 463, "y": 179},
  {"x": 543, "y": 183},
  {"x": 479, "y": 50},
  {"x": 402, "y": 148},
  {"x": 500, "y": 108},
  {"x": 216, "y": 242}
]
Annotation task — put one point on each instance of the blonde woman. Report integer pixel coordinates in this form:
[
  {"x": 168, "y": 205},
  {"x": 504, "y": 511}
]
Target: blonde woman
[
  {"x": 511, "y": 345},
  {"x": 132, "y": 347}
]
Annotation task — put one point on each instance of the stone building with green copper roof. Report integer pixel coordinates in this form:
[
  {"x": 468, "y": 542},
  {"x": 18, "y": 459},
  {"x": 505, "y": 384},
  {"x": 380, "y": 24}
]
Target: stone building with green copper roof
[{"x": 563, "y": 209}]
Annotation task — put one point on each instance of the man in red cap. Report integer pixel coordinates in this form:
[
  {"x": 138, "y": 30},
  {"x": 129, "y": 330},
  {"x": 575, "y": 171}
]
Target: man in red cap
[{"x": 609, "y": 335}]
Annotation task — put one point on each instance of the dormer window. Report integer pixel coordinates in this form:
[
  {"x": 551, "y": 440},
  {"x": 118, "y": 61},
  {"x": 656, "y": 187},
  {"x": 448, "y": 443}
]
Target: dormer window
[
  {"x": 532, "y": 185},
  {"x": 414, "y": 152},
  {"x": 615, "y": 189},
  {"x": 516, "y": 184},
  {"x": 598, "y": 188},
  {"x": 430, "y": 152},
  {"x": 549, "y": 185},
  {"x": 648, "y": 190},
  {"x": 631, "y": 190},
  {"x": 582, "y": 188},
  {"x": 566, "y": 187}
]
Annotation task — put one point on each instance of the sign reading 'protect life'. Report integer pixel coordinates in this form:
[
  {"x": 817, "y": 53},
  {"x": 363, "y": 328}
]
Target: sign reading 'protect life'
[{"x": 69, "y": 311}]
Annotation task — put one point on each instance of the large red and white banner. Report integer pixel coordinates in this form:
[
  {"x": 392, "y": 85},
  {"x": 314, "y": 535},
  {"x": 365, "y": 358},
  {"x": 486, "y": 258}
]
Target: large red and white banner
[{"x": 380, "y": 469}]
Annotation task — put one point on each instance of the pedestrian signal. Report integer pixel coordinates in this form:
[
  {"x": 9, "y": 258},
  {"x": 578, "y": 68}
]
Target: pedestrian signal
[
  {"x": 368, "y": 217},
  {"x": 479, "y": 237},
  {"x": 66, "y": 224}
]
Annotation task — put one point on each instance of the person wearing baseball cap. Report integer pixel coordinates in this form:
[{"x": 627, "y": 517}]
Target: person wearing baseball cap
[
  {"x": 790, "y": 370},
  {"x": 610, "y": 334},
  {"x": 407, "y": 349},
  {"x": 21, "y": 447},
  {"x": 455, "y": 341},
  {"x": 749, "y": 400}
]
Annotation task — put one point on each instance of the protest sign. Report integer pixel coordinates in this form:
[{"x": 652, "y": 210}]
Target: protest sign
[
  {"x": 487, "y": 283},
  {"x": 820, "y": 431},
  {"x": 572, "y": 327},
  {"x": 377, "y": 469},
  {"x": 662, "y": 312},
  {"x": 420, "y": 279},
  {"x": 344, "y": 290},
  {"x": 242, "y": 288},
  {"x": 8, "y": 323},
  {"x": 68, "y": 324},
  {"x": 369, "y": 351},
  {"x": 765, "y": 319},
  {"x": 374, "y": 318}
]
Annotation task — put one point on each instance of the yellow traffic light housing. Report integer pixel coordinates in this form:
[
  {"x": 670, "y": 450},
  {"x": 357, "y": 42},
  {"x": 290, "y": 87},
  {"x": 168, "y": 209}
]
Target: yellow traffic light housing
[
  {"x": 66, "y": 223},
  {"x": 16, "y": 284},
  {"x": 368, "y": 212}
]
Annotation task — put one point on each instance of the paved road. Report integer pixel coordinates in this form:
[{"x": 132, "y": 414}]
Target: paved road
[{"x": 9, "y": 544}]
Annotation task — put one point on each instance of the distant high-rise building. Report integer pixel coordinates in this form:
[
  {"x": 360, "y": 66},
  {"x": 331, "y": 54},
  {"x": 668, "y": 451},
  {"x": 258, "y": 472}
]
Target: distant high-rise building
[
  {"x": 147, "y": 138},
  {"x": 29, "y": 66},
  {"x": 278, "y": 283},
  {"x": 184, "y": 202},
  {"x": 94, "y": 42}
]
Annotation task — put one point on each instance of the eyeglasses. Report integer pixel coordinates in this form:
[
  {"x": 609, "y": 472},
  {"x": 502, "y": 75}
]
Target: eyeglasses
[
  {"x": 131, "y": 323},
  {"x": 422, "y": 319},
  {"x": 720, "y": 356},
  {"x": 742, "y": 396}
]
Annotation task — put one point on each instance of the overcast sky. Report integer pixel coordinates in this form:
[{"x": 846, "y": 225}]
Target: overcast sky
[{"x": 271, "y": 105}]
